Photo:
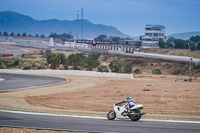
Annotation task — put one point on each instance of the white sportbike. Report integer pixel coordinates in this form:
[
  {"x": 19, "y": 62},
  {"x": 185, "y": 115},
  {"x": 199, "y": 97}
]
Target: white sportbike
[{"x": 122, "y": 111}]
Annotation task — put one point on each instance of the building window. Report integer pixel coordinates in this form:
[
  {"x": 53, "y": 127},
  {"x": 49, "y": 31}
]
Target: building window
[
  {"x": 147, "y": 28},
  {"x": 155, "y": 34},
  {"x": 148, "y": 34},
  {"x": 161, "y": 34}
]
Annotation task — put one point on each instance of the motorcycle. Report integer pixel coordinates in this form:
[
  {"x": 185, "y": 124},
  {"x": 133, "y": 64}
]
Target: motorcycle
[{"x": 123, "y": 111}]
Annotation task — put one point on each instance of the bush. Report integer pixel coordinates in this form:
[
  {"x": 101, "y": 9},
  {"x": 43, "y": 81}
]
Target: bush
[
  {"x": 115, "y": 66},
  {"x": 102, "y": 69},
  {"x": 16, "y": 63},
  {"x": 137, "y": 71},
  {"x": 2, "y": 66},
  {"x": 156, "y": 71},
  {"x": 78, "y": 68},
  {"x": 127, "y": 68},
  {"x": 146, "y": 90},
  {"x": 9, "y": 65},
  {"x": 92, "y": 61},
  {"x": 26, "y": 68},
  {"x": 40, "y": 67}
]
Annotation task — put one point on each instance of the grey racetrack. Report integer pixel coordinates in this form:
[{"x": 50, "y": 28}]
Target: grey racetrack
[
  {"x": 93, "y": 125},
  {"x": 20, "y": 81}
]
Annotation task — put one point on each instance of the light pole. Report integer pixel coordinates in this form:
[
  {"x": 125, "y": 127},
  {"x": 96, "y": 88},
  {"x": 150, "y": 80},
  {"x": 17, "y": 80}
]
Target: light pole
[
  {"x": 196, "y": 50},
  {"x": 190, "y": 59},
  {"x": 77, "y": 13},
  {"x": 82, "y": 23},
  {"x": 70, "y": 39}
]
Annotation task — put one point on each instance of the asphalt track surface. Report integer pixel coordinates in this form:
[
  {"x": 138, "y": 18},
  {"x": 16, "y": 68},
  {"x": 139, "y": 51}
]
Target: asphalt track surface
[
  {"x": 70, "y": 123},
  {"x": 20, "y": 81},
  {"x": 78, "y": 123}
]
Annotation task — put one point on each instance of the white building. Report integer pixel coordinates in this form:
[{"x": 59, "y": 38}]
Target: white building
[
  {"x": 51, "y": 42},
  {"x": 152, "y": 35}
]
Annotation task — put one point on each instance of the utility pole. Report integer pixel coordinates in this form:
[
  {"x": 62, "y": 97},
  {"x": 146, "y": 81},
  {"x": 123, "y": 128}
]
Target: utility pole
[
  {"x": 82, "y": 23},
  {"x": 196, "y": 50},
  {"x": 77, "y": 13},
  {"x": 70, "y": 37},
  {"x": 190, "y": 59}
]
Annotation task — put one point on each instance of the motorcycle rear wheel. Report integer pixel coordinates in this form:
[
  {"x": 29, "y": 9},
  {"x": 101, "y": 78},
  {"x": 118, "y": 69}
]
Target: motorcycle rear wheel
[
  {"x": 111, "y": 115},
  {"x": 137, "y": 115}
]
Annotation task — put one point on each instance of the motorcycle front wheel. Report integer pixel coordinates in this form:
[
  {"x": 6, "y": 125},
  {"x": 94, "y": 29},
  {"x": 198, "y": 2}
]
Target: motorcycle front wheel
[
  {"x": 136, "y": 116},
  {"x": 111, "y": 115}
]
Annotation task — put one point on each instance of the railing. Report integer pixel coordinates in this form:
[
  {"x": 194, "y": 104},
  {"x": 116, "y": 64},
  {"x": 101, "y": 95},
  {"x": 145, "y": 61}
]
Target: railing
[{"x": 70, "y": 72}]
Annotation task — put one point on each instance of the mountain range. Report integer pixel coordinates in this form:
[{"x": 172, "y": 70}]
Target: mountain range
[
  {"x": 18, "y": 23},
  {"x": 185, "y": 35}
]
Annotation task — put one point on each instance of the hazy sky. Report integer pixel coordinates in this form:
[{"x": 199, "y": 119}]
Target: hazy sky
[{"x": 128, "y": 16}]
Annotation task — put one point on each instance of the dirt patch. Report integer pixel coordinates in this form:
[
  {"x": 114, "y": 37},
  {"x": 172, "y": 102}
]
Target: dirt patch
[{"x": 164, "y": 98}]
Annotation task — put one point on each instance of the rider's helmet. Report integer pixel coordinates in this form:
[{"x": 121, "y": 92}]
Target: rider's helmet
[{"x": 129, "y": 98}]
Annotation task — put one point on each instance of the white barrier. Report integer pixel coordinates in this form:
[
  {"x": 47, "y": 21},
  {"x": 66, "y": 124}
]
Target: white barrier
[
  {"x": 7, "y": 43},
  {"x": 70, "y": 72}
]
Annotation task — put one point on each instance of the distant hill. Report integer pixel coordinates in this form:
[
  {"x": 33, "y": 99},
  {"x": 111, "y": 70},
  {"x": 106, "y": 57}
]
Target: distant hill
[
  {"x": 184, "y": 36},
  {"x": 18, "y": 23}
]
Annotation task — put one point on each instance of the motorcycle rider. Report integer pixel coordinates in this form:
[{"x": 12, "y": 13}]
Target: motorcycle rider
[{"x": 131, "y": 103}]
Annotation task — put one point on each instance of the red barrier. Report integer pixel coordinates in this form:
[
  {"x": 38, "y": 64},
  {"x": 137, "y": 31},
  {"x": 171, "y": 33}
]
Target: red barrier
[{"x": 10, "y": 54}]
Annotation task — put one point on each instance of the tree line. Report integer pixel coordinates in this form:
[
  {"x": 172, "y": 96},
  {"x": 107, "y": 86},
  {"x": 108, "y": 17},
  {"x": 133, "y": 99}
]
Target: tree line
[
  {"x": 62, "y": 37},
  {"x": 21, "y": 34},
  {"x": 115, "y": 39},
  {"x": 66, "y": 36},
  {"x": 89, "y": 62},
  {"x": 193, "y": 43}
]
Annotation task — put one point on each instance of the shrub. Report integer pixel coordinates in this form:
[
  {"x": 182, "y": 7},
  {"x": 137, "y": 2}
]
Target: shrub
[
  {"x": 115, "y": 66},
  {"x": 54, "y": 60},
  {"x": 9, "y": 65},
  {"x": 102, "y": 69},
  {"x": 76, "y": 60},
  {"x": 137, "y": 71},
  {"x": 26, "y": 68},
  {"x": 40, "y": 67},
  {"x": 127, "y": 68},
  {"x": 16, "y": 63},
  {"x": 156, "y": 71},
  {"x": 146, "y": 90},
  {"x": 2, "y": 66},
  {"x": 78, "y": 68}
]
